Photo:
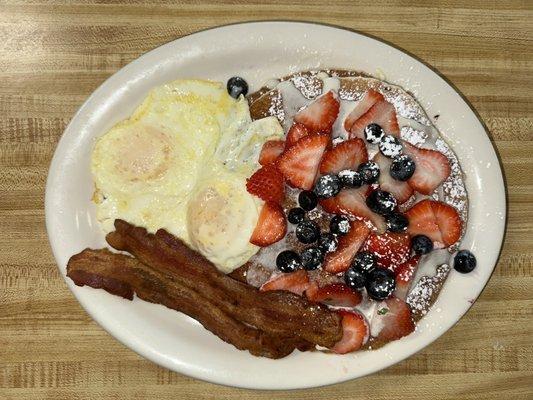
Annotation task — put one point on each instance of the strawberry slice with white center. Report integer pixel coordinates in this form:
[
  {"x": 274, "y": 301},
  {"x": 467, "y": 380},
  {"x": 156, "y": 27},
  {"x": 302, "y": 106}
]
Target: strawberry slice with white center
[
  {"x": 391, "y": 249},
  {"x": 404, "y": 277},
  {"x": 346, "y": 155},
  {"x": 296, "y": 132},
  {"x": 335, "y": 294},
  {"x": 349, "y": 244},
  {"x": 353, "y": 202},
  {"x": 270, "y": 151},
  {"x": 381, "y": 113},
  {"x": 401, "y": 191},
  {"x": 267, "y": 184},
  {"x": 432, "y": 168},
  {"x": 296, "y": 282},
  {"x": 299, "y": 164},
  {"x": 449, "y": 222},
  {"x": 271, "y": 225},
  {"x": 355, "y": 332},
  {"x": 320, "y": 115},
  {"x": 370, "y": 98},
  {"x": 396, "y": 320}
]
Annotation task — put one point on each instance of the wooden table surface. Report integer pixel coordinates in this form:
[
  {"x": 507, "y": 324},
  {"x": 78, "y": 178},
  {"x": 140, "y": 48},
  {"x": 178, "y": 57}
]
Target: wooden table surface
[{"x": 53, "y": 54}]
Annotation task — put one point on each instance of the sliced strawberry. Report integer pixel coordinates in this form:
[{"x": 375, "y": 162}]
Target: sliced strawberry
[
  {"x": 296, "y": 132},
  {"x": 355, "y": 332},
  {"x": 295, "y": 282},
  {"x": 422, "y": 221},
  {"x": 267, "y": 184},
  {"x": 353, "y": 202},
  {"x": 271, "y": 225},
  {"x": 349, "y": 244},
  {"x": 397, "y": 321},
  {"x": 404, "y": 276},
  {"x": 299, "y": 164},
  {"x": 391, "y": 249},
  {"x": 335, "y": 294},
  {"x": 320, "y": 115},
  {"x": 370, "y": 98},
  {"x": 432, "y": 168},
  {"x": 346, "y": 155},
  {"x": 449, "y": 222},
  {"x": 271, "y": 151},
  {"x": 400, "y": 190},
  {"x": 381, "y": 113}
]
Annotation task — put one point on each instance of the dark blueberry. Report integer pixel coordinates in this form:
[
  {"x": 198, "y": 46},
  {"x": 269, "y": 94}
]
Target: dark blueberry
[
  {"x": 390, "y": 146},
  {"x": 364, "y": 261},
  {"x": 350, "y": 178},
  {"x": 381, "y": 202},
  {"x": 237, "y": 86},
  {"x": 380, "y": 283},
  {"x": 328, "y": 242},
  {"x": 421, "y": 244},
  {"x": 307, "y": 200},
  {"x": 339, "y": 225},
  {"x": 402, "y": 168},
  {"x": 312, "y": 258},
  {"x": 355, "y": 278},
  {"x": 288, "y": 261},
  {"x": 397, "y": 222},
  {"x": 328, "y": 186},
  {"x": 307, "y": 232},
  {"x": 296, "y": 215},
  {"x": 464, "y": 261},
  {"x": 369, "y": 172},
  {"x": 373, "y": 133}
]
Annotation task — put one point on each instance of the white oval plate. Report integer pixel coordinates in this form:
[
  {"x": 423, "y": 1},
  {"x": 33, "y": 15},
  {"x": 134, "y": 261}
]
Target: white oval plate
[{"x": 257, "y": 52}]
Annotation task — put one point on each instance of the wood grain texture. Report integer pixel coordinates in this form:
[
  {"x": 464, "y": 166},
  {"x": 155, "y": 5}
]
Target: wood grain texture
[{"x": 53, "y": 54}]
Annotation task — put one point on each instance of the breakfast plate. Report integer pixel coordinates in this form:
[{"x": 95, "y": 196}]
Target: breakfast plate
[{"x": 259, "y": 51}]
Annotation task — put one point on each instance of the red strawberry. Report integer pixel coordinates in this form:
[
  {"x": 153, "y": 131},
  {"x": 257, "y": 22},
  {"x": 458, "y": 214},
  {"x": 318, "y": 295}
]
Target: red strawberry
[
  {"x": 404, "y": 276},
  {"x": 299, "y": 164},
  {"x": 355, "y": 332},
  {"x": 349, "y": 244},
  {"x": 449, "y": 222},
  {"x": 353, "y": 202},
  {"x": 391, "y": 249},
  {"x": 271, "y": 225},
  {"x": 296, "y": 132},
  {"x": 320, "y": 115},
  {"x": 432, "y": 168},
  {"x": 370, "y": 98},
  {"x": 295, "y": 282},
  {"x": 397, "y": 321},
  {"x": 271, "y": 151},
  {"x": 267, "y": 184},
  {"x": 381, "y": 113},
  {"x": 335, "y": 294},
  {"x": 400, "y": 190},
  {"x": 346, "y": 155}
]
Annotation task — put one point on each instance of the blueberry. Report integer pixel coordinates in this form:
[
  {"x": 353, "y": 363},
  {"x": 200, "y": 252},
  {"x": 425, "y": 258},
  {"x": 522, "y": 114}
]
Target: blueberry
[
  {"x": 296, "y": 215},
  {"x": 421, "y": 244},
  {"x": 369, "y": 172},
  {"x": 402, "y": 168},
  {"x": 350, "y": 178},
  {"x": 381, "y": 202},
  {"x": 237, "y": 86},
  {"x": 364, "y": 261},
  {"x": 397, "y": 222},
  {"x": 373, "y": 133},
  {"x": 464, "y": 262},
  {"x": 307, "y": 232},
  {"x": 312, "y": 258},
  {"x": 339, "y": 225},
  {"x": 328, "y": 186},
  {"x": 355, "y": 278},
  {"x": 328, "y": 242},
  {"x": 307, "y": 200},
  {"x": 390, "y": 146},
  {"x": 380, "y": 283},
  {"x": 288, "y": 261}
]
